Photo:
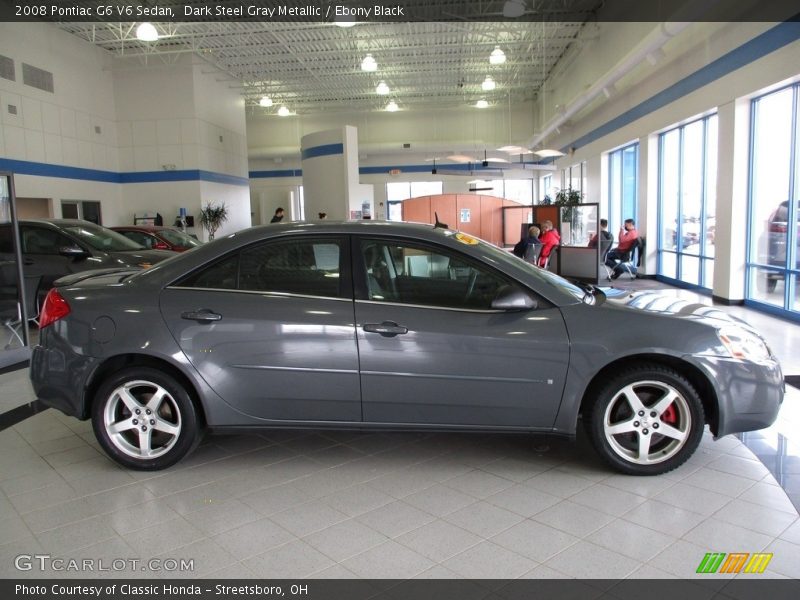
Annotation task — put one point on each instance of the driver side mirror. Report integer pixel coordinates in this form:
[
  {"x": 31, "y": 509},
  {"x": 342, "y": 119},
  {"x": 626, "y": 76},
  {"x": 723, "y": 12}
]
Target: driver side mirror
[
  {"x": 72, "y": 251},
  {"x": 510, "y": 297}
]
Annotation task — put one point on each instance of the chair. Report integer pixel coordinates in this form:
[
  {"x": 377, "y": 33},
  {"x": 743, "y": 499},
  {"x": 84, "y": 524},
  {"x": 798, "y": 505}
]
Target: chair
[
  {"x": 532, "y": 253},
  {"x": 11, "y": 315},
  {"x": 632, "y": 262}
]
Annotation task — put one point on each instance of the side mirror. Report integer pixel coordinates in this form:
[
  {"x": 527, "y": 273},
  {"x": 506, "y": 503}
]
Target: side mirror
[
  {"x": 513, "y": 298},
  {"x": 72, "y": 252}
]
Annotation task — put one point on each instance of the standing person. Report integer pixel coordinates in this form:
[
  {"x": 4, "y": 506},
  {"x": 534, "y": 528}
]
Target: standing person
[
  {"x": 627, "y": 238},
  {"x": 278, "y": 216},
  {"x": 550, "y": 238}
]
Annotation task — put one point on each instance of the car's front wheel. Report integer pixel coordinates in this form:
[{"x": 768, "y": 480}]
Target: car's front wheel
[
  {"x": 646, "y": 420},
  {"x": 144, "y": 419}
]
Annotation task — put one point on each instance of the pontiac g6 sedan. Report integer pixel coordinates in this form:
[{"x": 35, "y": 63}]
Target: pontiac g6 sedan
[{"x": 392, "y": 326}]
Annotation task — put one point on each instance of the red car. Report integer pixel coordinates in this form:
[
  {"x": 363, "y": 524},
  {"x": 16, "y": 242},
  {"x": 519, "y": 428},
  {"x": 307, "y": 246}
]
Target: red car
[{"x": 159, "y": 238}]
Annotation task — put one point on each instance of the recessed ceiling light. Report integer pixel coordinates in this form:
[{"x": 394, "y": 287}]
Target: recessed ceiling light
[
  {"x": 265, "y": 101},
  {"x": 481, "y": 104},
  {"x": 146, "y": 32},
  {"x": 382, "y": 88},
  {"x": 497, "y": 57},
  {"x": 392, "y": 106},
  {"x": 488, "y": 84},
  {"x": 283, "y": 112},
  {"x": 369, "y": 64}
]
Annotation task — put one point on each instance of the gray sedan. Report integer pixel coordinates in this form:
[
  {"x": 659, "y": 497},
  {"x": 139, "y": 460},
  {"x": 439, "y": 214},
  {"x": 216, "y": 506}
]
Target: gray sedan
[{"x": 390, "y": 326}]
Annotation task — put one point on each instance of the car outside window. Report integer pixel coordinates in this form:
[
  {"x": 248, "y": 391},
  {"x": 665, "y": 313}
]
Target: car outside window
[
  {"x": 38, "y": 240},
  {"x": 309, "y": 267},
  {"x": 406, "y": 273}
]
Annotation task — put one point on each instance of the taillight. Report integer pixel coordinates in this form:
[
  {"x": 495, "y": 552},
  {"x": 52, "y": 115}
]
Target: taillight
[
  {"x": 160, "y": 246},
  {"x": 778, "y": 228},
  {"x": 53, "y": 309}
]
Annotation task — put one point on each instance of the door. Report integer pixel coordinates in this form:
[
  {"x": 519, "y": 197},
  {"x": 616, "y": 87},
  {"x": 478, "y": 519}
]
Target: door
[
  {"x": 42, "y": 254},
  {"x": 270, "y": 329},
  {"x": 433, "y": 351}
]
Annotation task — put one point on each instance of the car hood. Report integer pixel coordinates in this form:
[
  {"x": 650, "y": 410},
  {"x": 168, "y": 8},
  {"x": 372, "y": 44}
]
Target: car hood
[{"x": 667, "y": 304}]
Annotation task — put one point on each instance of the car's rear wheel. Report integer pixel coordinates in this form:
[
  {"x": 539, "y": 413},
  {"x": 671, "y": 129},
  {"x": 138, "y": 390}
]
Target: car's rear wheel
[
  {"x": 144, "y": 419},
  {"x": 646, "y": 420}
]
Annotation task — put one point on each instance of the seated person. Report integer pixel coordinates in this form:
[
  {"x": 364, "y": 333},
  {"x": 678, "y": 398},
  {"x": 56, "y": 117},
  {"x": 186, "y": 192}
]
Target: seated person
[
  {"x": 604, "y": 236},
  {"x": 550, "y": 239},
  {"x": 533, "y": 245},
  {"x": 627, "y": 239}
]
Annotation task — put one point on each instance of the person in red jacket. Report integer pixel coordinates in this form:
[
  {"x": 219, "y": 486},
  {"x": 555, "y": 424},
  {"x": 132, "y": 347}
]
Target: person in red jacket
[
  {"x": 550, "y": 239},
  {"x": 627, "y": 238}
]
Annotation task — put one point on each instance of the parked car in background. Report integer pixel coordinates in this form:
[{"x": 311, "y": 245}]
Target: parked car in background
[
  {"x": 378, "y": 325},
  {"x": 52, "y": 248},
  {"x": 777, "y": 236},
  {"x": 159, "y": 238}
]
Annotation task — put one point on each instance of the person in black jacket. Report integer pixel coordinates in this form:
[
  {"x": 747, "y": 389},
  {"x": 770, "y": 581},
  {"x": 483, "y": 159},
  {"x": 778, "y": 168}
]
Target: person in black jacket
[{"x": 278, "y": 216}]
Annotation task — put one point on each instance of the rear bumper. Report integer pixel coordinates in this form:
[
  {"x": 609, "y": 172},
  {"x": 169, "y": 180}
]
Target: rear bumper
[
  {"x": 60, "y": 379},
  {"x": 749, "y": 395}
]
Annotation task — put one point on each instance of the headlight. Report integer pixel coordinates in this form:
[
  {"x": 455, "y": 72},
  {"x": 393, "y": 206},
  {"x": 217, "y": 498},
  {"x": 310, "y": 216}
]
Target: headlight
[{"x": 744, "y": 345}]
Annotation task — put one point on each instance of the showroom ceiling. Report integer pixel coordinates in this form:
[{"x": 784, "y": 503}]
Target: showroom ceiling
[{"x": 316, "y": 67}]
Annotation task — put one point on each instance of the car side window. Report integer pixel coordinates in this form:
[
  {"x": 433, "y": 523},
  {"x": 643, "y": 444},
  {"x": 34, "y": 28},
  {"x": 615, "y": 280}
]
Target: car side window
[
  {"x": 411, "y": 274},
  {"x": 310, "y": 267},
  {"x": 304, "y": 266},
  {"x": 38, "y": 240},
  {"x": 139, "y": 237}
]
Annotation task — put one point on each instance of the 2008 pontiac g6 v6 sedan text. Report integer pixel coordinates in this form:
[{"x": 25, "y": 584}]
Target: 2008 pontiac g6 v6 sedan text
[{"x": 394, "y": 326}]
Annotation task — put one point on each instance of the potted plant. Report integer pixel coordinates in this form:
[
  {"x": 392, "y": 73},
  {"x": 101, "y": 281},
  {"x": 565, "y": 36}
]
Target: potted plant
[
  {"x": 212, "y": 217},
  {"x": 567, "y": 200}
]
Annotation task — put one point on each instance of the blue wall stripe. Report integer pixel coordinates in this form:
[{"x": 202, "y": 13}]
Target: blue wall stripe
[
  {"x": 769, "y": 41},
  {"x": 381, "y": 170},
  {"x": 324, "y": 150},
  {"x": 24, "y": 167}
]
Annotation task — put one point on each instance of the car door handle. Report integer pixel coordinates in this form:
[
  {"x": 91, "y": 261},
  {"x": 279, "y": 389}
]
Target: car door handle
[
  {"x": 202, "y": 316},
  {"x": 386, "y": 329}
]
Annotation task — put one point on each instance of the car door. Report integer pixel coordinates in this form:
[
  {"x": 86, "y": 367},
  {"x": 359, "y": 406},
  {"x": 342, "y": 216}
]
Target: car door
[
  {"x": 270, "y": 329},
  {"x": 42, "y": 254},
  {"x": 432, "y": 350}
]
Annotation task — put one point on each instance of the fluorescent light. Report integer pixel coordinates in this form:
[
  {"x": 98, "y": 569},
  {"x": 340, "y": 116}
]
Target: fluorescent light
[
  {"x": 497, "y": 57},
  {"x": 481, "y": 104},
  {"x": 548, "y": 153},
  {"x": 513, "y": 9},
  {"x": 392, "y": 106},
  {"x": 382, "y": 88},
  {"x": 488, "y": 84},
  {"x": 265, "y": 101},
  {"x": 515, "y": 150},
  {"x": 146, "y": 32},
  {"x": 283, "y": 112},
  {"x": 368, "y": 64}
]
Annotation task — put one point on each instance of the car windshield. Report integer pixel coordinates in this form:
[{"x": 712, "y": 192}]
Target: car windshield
[
  {"x": 103, "y": 239},
  {"x": 178, "y": 238},
  {"x": 543, "y": 275}
]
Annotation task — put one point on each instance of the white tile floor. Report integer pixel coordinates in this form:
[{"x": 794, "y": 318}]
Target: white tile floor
[{"x": 316, "y": 504}]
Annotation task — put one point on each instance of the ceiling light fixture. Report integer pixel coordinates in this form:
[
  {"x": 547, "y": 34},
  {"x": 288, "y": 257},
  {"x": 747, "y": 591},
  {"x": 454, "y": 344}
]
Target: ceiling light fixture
[
  {"x": 548, "y": 153},
  {"x": 265, "y": 101},
  {"x": 481, "y": 104},
  {"x": 146, "y": 32},
  {"x": 369, "y": 64},
  {"x": 382, "y": 88},
  {"x": 392, "y": 106},
  {"x": 497, "y": 57},
  {"x": 513, "y": 9},
  {"x": 488, "y": 84},
  {"x": 283, "y": 112}
]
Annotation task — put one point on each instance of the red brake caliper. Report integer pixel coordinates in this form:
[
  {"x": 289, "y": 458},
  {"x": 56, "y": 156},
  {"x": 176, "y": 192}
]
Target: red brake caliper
[{"x": 670, "y": 415}]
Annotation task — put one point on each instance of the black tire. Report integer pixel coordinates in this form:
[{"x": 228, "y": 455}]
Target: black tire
[
  {"x": 668, "y": 432},
  {"x": 171, "y": 430}
]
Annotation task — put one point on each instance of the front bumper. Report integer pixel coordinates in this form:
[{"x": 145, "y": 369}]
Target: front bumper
[{"x": 749, "y": 395}]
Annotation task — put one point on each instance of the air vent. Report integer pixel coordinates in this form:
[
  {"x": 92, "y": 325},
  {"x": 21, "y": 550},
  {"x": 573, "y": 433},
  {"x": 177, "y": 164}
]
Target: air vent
[
  {"x": 406, "y": 145},
  {"x": 7, "y": 68},
  {"x": 38, "y": 78},
  {"x": 12, "y": 110},
  {"x": 97, "y": 129}
]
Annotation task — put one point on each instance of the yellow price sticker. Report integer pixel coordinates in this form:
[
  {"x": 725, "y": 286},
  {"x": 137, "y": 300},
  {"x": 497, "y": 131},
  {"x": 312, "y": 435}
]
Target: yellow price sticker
[{"x": 466, "y": 239}]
